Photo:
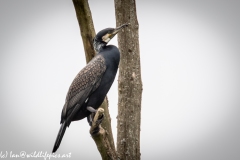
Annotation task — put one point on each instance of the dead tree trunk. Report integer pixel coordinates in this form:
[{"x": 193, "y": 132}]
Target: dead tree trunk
[
  {"x": 129, "y": 82},
  {"x": 104, "y": 138},
  {"x": 87, "y": 30}
]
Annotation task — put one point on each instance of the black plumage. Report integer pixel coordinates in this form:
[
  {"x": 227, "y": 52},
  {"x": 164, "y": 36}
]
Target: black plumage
[{"x": 92, "y": 83}]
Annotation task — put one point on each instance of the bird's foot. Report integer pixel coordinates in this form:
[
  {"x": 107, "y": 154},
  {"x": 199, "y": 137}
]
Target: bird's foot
[
  {"x": 96, "y": 128},
  {"x": 100, "y": 119},
  {"x": 89, "y": 120},
  {"x": 91, "y": 116}
]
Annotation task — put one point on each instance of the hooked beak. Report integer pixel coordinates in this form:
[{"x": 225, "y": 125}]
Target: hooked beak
[
  {"x": 116, "y": 30},
  {"x": 111, "y": 34}
]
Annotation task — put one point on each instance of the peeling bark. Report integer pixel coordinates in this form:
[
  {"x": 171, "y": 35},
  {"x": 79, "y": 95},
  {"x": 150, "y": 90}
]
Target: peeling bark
[{"x": 129, "y": 82}]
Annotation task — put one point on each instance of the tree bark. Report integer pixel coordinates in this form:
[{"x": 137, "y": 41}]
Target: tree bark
[
  {"x": 104, "y": 138},
  {"x": 100, "y": 137},
  {"x": 129, "y": 82},
  {"x": 84, "y": 17}
]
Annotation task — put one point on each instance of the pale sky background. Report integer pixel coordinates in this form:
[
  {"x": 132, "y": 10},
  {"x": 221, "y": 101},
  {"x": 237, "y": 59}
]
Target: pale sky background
[{"x": 190, "y": 54}]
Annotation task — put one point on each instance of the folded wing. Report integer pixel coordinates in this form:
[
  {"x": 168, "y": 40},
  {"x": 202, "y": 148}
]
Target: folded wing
[{"x": 86, "y": 81}]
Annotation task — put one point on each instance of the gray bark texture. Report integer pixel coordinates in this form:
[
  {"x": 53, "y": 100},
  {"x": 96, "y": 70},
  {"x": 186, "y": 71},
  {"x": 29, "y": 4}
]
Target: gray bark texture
[{"x": 129, "y": 82}]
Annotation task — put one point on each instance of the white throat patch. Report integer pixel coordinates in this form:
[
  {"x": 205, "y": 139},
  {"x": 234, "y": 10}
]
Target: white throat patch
[{"x": 106, "y": 38}]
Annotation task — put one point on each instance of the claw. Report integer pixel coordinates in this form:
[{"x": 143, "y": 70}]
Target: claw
[{"x": 100, "y": 119}]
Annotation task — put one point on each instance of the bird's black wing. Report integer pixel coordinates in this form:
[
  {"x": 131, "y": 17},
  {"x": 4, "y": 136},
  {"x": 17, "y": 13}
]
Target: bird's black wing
[{"x": 86, "y": 81}]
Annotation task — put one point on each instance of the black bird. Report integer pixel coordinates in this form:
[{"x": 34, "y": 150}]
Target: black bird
[{"x": 92, "y": 83}]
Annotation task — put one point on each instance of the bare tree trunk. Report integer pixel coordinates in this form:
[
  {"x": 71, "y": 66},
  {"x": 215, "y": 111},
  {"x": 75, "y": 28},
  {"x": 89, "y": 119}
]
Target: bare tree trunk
[
  {"x": 129, "y": 82},
  {"x": 87, "y": 30},
  {"x": 104, "y": 138}
]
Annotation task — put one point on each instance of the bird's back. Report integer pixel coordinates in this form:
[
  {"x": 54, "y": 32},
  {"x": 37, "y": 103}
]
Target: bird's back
[{"x": 83, "y": 85}]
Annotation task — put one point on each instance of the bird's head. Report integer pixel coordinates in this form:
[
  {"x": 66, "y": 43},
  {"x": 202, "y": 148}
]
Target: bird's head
[{"x": 104, "y": 36}]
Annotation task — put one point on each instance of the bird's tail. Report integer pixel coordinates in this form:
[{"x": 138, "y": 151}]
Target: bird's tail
[{"x": 60, "y": 136}]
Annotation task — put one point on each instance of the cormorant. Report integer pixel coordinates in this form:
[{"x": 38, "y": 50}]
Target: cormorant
[{"x": 92, "y": 83}]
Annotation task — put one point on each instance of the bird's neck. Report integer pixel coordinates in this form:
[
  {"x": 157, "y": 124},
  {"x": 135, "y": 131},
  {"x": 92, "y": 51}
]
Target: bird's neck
[{"x": 98, "y": 45}]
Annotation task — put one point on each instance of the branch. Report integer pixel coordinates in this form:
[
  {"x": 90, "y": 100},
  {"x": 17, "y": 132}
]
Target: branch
[
  {"x": 100, "y": 137},
  {"x": 87, "y": 30}
]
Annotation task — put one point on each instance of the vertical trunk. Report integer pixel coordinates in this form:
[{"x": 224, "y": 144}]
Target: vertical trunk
[
  {"x": 87, "y": 30},
  {"x": 129, "y": 82},
  {"x": 104, "y": 139}
]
